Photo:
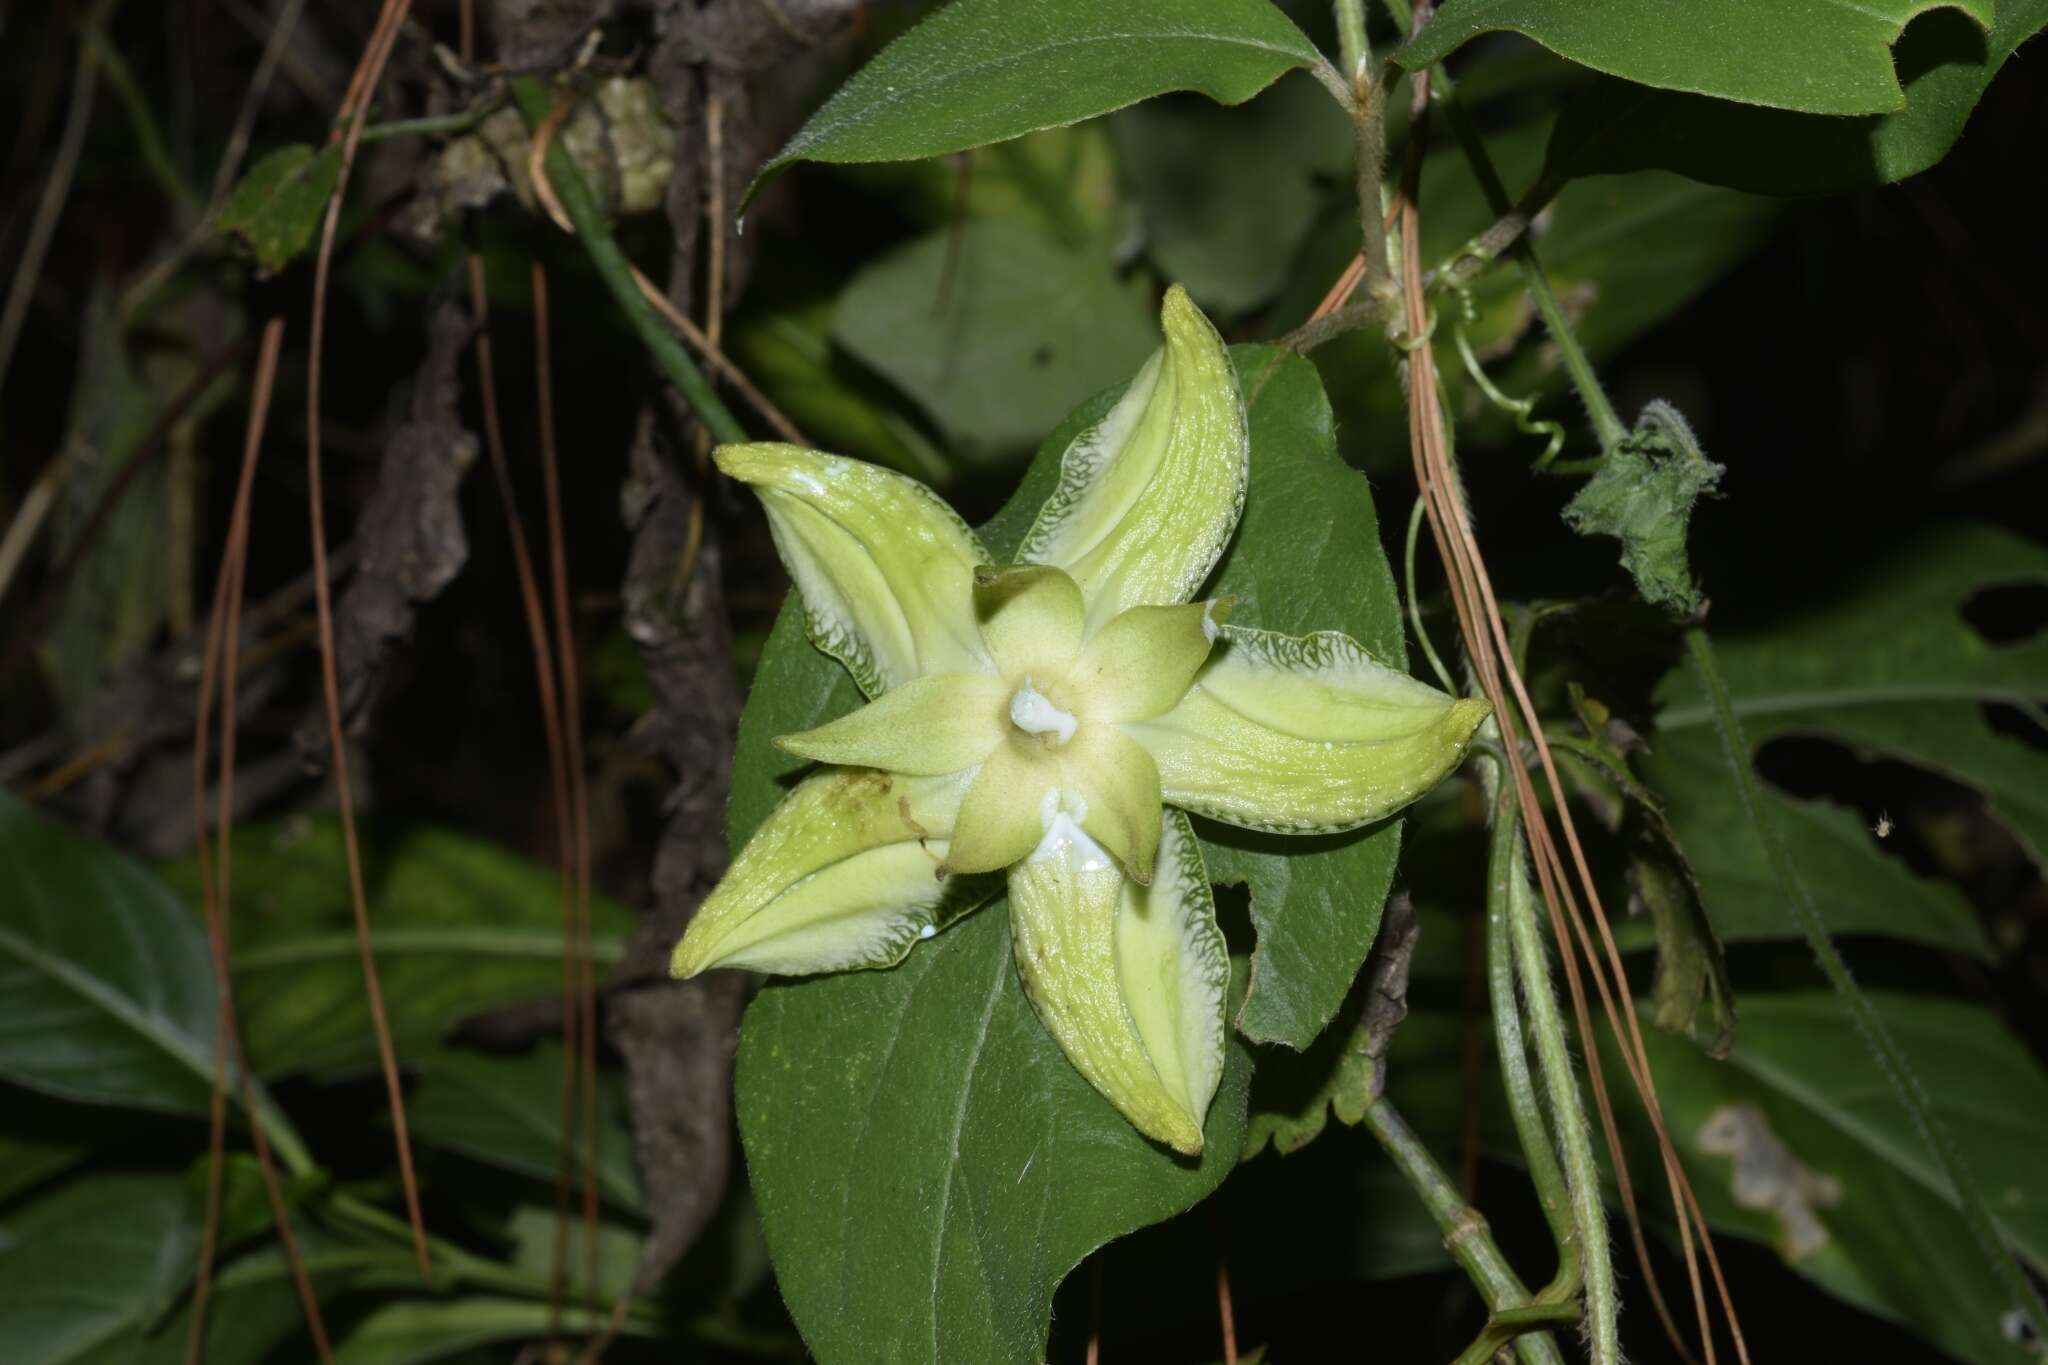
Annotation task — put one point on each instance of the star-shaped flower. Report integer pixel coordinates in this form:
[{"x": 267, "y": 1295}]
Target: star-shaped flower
[{"x": 1055, "y": 721}]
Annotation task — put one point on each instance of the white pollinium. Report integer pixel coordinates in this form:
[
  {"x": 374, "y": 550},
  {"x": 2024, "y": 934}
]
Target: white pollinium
[
  {"x": 1067, "y": 842},
  {"x": 1031, "y": 712}
]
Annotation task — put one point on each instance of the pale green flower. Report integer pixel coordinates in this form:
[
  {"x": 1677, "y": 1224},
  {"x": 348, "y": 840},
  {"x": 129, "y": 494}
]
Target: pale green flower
[{"x": 1053, "y": 721}]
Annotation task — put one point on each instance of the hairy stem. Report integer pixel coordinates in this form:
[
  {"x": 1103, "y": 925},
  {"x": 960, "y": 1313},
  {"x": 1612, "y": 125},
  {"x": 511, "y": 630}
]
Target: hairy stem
[
  {"x": 1368, "y": 127},
  {"x": 1607, "y": 425},
  {"x": 1553, "y": 1057},
  {"x": 1351, "y": 47},
  {"x": 1551, "y": 1189},
  {"x": 1466, "y": 1235}
]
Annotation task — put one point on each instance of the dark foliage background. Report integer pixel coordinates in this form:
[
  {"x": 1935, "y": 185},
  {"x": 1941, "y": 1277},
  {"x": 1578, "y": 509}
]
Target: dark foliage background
[{"x": 1867, "y": 366}]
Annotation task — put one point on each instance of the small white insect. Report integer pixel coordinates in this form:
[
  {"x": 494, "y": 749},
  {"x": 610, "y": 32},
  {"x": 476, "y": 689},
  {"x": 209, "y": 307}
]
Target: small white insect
[{"x": 1883, "y": 828}]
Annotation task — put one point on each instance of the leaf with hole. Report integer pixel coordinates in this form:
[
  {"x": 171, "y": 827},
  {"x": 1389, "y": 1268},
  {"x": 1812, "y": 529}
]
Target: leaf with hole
[
  {"x": 1815, "y": 56},
  {"x": 1893, "y": 671},
  {"x": 1945, "y": 60}
]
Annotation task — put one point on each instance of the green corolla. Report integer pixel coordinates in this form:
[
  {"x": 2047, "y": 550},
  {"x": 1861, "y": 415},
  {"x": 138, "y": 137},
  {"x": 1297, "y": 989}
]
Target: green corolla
[{"x": 1057, "y": 721}]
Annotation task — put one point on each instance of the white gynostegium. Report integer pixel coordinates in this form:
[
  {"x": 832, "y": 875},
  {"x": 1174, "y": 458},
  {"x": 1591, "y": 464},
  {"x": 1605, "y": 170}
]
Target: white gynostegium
[{"x": 1055, "y": 721}]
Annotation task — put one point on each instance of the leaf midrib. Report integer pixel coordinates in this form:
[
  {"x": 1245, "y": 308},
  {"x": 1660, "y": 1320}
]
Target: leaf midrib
[
  {"x": 889, "y": 98},
  {"x": 988, "y": 1014},
  {"x": 1780, "y": 703},
  {"x": 606, "y": 949},
  {"x": 152, "y": 1028},
  {"x": 1799, "y": 1091}
]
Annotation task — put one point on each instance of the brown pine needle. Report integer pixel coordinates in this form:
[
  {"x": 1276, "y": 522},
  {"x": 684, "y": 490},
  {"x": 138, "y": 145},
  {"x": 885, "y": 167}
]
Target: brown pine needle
[
  {"x": 1224, "y": 1311},
  {"x": 1493, "y": 659},
  {"x": 1094, "y": 1356},
  {"x": 219, "y": 664},
  {"x": 355, "y": 110},
  {"x": 558, "y": 777},
  {"x": 579, "y": 790},
  {"x": 1341, "y": 290}
]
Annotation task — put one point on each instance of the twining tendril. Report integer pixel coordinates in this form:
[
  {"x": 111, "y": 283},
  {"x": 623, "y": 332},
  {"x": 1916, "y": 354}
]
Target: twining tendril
[{"x": 1518, "y": 408}]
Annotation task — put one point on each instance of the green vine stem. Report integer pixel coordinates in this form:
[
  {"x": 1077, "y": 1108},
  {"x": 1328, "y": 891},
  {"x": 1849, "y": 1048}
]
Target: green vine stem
[
  {"x": 1876, "y": 1035},
  {"x": 1514, "y": 1325},
  {"x": 1527, "y": 1111},
  {"x": 437, "y": 125},
  {"x": 1369, "y": 137},
  {"x": 1351, "y": 44},
  {"x": 1553, "y": 1058},
  {"x": 1436, "y": 662},
  {"x": 1466, "y": 1234},
  {"x": 587, "y": 215},
  {"x": 1607, "y": 425},
  {"x": 1517, "y": 408}
]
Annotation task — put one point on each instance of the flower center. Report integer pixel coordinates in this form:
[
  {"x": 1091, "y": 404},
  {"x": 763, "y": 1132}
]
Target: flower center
[{"x": 1033, "y": 712}]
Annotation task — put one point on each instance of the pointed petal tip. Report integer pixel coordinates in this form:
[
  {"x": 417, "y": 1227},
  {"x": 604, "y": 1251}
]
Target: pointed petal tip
[
  {"x": 751, "y": 461},
  {"x": 1465, "y": 716},
  {"x": 688, "y": 958},
  {"x": 1166, "y": 1123},
  {"x": 1183, "y": 320}
]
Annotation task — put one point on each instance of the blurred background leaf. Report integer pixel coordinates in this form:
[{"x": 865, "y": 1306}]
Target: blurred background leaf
[
  {"x": 995, "y": 329},
  {"x": 460, "y": 927}
]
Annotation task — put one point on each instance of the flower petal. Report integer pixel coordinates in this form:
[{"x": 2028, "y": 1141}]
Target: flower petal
[
  {"x": 1144, "y": 661},
  {"x": 884, "y": 567},
  {"x": 1148, "y": 496},
  {"x": 931, "y": 725},
  {"x": 1006, "y": 808},
  {"x": 1068, "y": 911},
  {"x": 1304, "y": 735},
  {"x": 1111, "y": 786},
  {"x": 1174, "y": 969},
  {"x": 1031, "y": 619},
  {"x": 843, "y": 874}
]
